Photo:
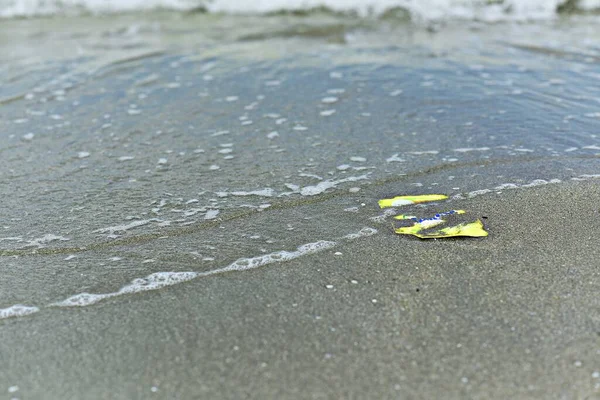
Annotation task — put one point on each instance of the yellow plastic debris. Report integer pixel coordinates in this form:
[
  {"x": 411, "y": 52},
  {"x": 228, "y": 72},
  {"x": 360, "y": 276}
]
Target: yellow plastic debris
[
  {"x": 406, "y": 200},
  {"x": 421, "y": 226},
  {"x": 472, "y": 229}
]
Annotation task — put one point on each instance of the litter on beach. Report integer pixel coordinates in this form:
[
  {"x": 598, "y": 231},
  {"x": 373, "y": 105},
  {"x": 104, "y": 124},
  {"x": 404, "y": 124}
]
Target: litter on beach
[
  {"x": 429, "y": 228},
  {"x": 422, "y": 228}
]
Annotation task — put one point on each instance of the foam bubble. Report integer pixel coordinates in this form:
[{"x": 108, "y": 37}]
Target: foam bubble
[
  {"x": 395, "y": 158},
  {"x": 266, "y": 192},
  {"x": 469, "y": 149},
  {"x": 122, "y": 228},
  {"x": 364, "y": 232},
  {"x": 39, "y": 242},
  {"x": 383, "y": 217},
  {"x": 83, "y": 299},
  {"x": 586, "y": 177},
  {"x": 243, "y": 264},
  {"x": 18, "y": 310},
  {"x": 311, "y": 176},
  {"x": 475, "y": 193},
  {"x": 328, "y": 184},
  {"x": 211, "y": 214},
  {"x": 420, "y": 153},
  {"x": 155, "y": 281},
  {"x": 506, "y": 186},
  {"x": 540, "y": 182},
  {"x": 591, "y": 147},
  {"x": 14, "y": 238}
]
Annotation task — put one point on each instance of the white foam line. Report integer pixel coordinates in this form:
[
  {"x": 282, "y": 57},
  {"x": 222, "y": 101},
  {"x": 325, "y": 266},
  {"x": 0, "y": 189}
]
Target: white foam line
[
  {"x": 505, "y": 186},
  {"x": 211, "y": 214},
  {"x": 586, "y": 177},
  {"x": 540, "y": 182},
  {"x": 395, "y": 158},
  {"x": 193, "y": 211},
  {"x": 39, "y": 242},
  {"x": 15, "y": 238},
  {"x": 419, "y": 153},
  {"x": 153, "y": 281},
  {"x": 512, "y": 186},
  {"x": 159, "y": 280},
  {"x": 476, "y": 193},
  {"x": 388, "y": 212},
  {"x": 364, "y": 232},
  {"x": 423, "y": 10},
  {"x": 468, "y": 149},
  {"x": 18, "y": 310},
  {"x": 328, "y": 184},
  {"x": 244, "y": 264},
  {"x": 123, "y": 228},
  {"x": 266, "y": 192}
]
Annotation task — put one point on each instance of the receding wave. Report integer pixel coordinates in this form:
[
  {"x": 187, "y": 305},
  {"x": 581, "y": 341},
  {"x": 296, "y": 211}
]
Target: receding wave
[{"x": 419, "y": 10}]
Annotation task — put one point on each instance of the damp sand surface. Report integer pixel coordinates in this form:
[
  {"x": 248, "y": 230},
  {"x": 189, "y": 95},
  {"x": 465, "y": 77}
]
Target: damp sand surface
[
  {"x": 189, "y": 207},
  {"x": 508, "y": 316}
]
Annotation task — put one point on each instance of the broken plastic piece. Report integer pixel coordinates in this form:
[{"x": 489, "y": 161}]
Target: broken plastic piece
[
  {"x": 421, "y": 226},
  {"x": 472, "y": 229},
  {"x": 406, "y": 200}
]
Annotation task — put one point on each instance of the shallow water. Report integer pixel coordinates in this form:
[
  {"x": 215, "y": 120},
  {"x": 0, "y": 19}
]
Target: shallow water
[{"x": 133, "y": 145}]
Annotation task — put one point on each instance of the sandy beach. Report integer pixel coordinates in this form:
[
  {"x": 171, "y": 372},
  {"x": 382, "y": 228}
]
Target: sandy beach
[
  {"x": 190, "y": 201},
  {"x": 384, "y": 316}
]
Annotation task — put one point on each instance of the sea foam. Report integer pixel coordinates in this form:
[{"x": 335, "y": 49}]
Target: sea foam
[
  {"x": 159, "y": 280},
  {"x": 422, "y": 10}
]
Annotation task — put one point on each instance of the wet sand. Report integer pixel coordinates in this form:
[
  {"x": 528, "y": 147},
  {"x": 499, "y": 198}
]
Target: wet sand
[
  {"x": 176, "y": 147},
  {"x": 513, "y": 315}
]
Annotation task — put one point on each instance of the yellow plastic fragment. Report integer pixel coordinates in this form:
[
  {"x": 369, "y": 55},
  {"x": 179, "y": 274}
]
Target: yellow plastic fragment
[
  {"x": 473, "y": 229},
  {"x": 406, "y": 200}
]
